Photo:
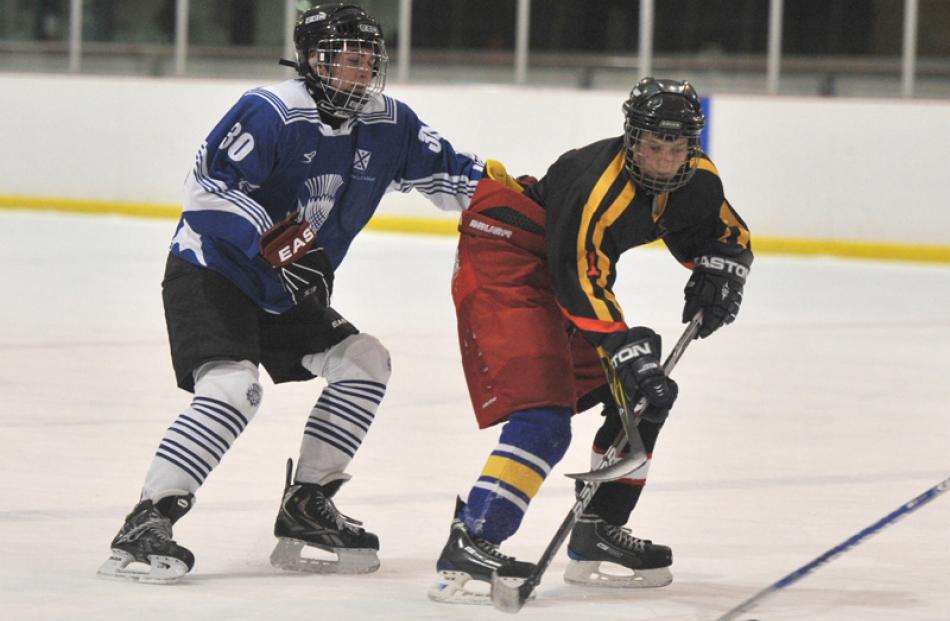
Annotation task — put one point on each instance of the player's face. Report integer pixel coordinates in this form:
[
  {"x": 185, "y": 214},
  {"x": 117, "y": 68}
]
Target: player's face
[
  {"x": 350, "y": 70},
  {"x": 661, "y": 158}
]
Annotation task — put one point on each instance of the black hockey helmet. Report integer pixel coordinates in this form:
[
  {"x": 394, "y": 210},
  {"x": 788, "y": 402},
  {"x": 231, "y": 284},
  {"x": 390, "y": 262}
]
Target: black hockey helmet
[
  {"x": 669, "y": 110},
  {"x": 322, "y": 36}
]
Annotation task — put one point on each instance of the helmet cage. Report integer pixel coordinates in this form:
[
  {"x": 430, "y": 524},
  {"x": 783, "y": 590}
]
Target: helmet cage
[
  {"x": 668, "y": 110},
  {"x": 329, "y": 60},
  {"x": 326, "y": 39},
  {"x": 633, "y": 137}
]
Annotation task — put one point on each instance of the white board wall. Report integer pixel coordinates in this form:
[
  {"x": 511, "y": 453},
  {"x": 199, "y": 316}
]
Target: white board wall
[{"x": 862, "y": 170}]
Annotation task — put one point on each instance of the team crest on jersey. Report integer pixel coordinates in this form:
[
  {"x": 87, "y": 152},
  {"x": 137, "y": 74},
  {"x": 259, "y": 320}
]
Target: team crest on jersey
[
  {"x": 322, "y": 195},
  {"x": 361, "y": 159}
]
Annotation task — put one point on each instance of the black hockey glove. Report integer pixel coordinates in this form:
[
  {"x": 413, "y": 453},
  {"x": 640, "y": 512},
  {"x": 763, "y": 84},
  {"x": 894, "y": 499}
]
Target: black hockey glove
[
  {"x": 635, "y": 357},
  {"x": 304, "y": 270},
  {"x": 715, "y": 287},
  {"x": 310, "y": 275}
]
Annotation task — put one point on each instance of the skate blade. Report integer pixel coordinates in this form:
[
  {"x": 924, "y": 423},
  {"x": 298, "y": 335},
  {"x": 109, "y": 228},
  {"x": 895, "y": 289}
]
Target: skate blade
[
  {"x": 589, "y": 573},
  {"x": 450, "y": 589},
  {"x": 288, "y": 555},
  {"x": 161, "y": 569}
]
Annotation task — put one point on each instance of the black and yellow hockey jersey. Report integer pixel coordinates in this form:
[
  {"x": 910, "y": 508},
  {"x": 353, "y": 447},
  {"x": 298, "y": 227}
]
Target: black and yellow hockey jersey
[{"x": 594, "y": 213}]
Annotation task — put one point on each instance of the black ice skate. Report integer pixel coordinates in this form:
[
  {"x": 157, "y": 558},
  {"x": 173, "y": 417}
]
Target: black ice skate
[
  {"x": 307, "y": 517},
  {"x": 594, "y": 541},
  {"x": 146, "y": 538},
  {"x": 467, "y": 558}
]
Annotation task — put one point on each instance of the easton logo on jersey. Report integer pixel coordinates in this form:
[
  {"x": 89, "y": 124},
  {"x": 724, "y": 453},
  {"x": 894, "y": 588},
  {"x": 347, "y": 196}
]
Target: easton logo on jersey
[{"x": 322, "y": 192}]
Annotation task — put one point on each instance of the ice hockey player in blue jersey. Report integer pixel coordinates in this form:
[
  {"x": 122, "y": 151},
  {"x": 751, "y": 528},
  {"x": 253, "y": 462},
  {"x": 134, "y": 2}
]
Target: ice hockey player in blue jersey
[{"x": 282, "y": 185}]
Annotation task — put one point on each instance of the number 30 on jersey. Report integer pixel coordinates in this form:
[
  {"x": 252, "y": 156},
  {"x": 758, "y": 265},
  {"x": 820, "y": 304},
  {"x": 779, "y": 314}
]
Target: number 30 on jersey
[{"x": 238, "y": 144}]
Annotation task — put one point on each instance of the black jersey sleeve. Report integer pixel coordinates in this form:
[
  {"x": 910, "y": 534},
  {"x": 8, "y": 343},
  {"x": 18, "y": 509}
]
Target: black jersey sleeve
[{"x": 700, "y": 221}]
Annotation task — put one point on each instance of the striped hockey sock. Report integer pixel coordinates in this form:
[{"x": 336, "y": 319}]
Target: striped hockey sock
[
  {"x": 336, "y": 428},
  {"x": 532, "y": 442},
  {"x": 227, "y": 396},
  {"x": 357, "y": 370}
]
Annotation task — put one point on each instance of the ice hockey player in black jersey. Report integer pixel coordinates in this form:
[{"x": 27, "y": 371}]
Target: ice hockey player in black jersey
[
  {"x": 280, "y": 188},
  {"x": 550, "y": 316}
]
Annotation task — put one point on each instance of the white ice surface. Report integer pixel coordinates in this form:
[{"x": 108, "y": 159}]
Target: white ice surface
[{"x": 824, "y": 408}]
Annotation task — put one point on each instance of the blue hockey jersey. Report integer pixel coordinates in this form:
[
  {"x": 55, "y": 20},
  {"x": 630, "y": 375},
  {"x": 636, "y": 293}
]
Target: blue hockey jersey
[{"x": 271, "y": 155}]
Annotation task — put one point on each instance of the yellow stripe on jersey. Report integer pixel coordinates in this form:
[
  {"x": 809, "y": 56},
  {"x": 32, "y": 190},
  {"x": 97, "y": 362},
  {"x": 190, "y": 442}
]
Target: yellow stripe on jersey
[
  {"x": 733, "y": 226},
  {"x": 607, "y": 179},
  {"x": 705, "y": 164},
  {"x": 606, "y": 221},
  {"x": 515, "y": 474}
]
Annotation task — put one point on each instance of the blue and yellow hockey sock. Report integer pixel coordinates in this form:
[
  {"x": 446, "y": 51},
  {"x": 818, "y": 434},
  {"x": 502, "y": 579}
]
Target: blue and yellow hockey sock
[{"x": 532, "y": 442}]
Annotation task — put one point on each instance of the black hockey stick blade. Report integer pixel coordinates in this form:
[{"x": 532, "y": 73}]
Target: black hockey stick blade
[{"x": 507, "y": 596}]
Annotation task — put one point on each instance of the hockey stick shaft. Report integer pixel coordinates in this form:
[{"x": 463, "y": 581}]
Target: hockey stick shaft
[
  {"x": 839, "y": 549},
  {"x": 636, "y": 454},
  {"x": 630, "y": 419},
  {"x": 627, "y": 417},
  {"x": 587, "y": 494},
  {"x": 510, "y": 599}
]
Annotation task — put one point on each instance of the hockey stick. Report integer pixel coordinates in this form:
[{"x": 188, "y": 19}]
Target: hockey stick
[
  {"x": 636, "y": 456},
  {"x": 839, "y": 549},
  {"x": 510, "y": 598}
]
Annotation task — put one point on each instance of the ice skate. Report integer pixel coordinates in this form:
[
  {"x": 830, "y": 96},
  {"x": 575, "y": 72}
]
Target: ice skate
[
  {"x": 605, "y": 555},
  {"x": 146, "y": 539},
  {"x": 466, "y": 558},
  {"x": 307, "y": 519}
]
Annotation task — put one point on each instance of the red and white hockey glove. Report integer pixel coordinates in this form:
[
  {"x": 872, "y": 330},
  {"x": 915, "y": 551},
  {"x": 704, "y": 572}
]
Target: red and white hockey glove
[{"x": 304, "y": 270}]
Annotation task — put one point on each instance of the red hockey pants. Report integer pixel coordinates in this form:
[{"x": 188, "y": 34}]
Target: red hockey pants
[{"x": 518, "y": 350}]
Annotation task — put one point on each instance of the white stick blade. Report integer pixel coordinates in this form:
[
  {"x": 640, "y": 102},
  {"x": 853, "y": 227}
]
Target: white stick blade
[
  {"x": 506, "y": 593},
  {"x": 612, "y": 472}
]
